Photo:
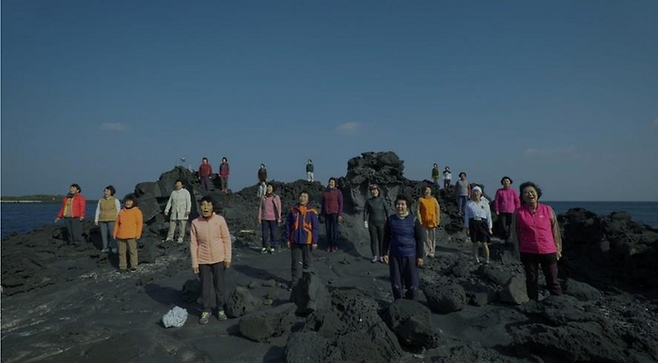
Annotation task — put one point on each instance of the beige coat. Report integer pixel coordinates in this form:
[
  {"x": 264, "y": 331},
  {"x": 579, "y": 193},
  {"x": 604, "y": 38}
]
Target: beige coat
[{"x": 180, "y": 204}]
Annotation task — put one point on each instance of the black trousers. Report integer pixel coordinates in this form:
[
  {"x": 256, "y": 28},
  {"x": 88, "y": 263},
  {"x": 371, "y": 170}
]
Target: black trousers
[
  {"x": 74, "y": 229},
  {"x": 213, "y": 289},
  {"x": 376, "y": 232},
  {"x": 301, "y": 259},
  {"x": 479, "y": 231},
  {"x": 331, "y": 225},
  {"x": 505, "y": 224},
  {"x": 548, "y": 262},
  {"x": 404, "y": 275},
  {"x": 268, "y": 226}
]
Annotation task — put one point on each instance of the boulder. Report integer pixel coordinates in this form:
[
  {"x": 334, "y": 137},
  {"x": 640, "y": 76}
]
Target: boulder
[
  {"x": 149, "y": 206},
  {"x": 581, "y": 290},
  {"x": 191, "y": 290},
  {"x": 307, "y": 347},
  {"x": 262, "y": 325},
  {"x": 514, "y": 290},
  {"x": 445, "y": 298},
  {"x": 412, "y": 324},
  {"x": 377, "y": 344},
  {"x": 310, "y": 294},
  {"x": 241, "y": 302},
  {"x": 325, "y": 322}
]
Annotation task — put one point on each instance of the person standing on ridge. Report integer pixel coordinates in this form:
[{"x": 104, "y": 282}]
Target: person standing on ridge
[
  {"x": 463, "y": 192},
  {"x": 210, "y": 252},
  {"x": 375, "y": 215},
  {"x": 73, "y": 211},
  {"x": 403, "y": 249},
  {"x": 332, "y": 211},
  {"x": 447, "y": 178},
  {"x": 107, "y": 211},
  {"x": 224, "y": 172},
  {"x": 302, "y": 232},
  {"x": 536, "y": 236},
  {"x": 180, "y": 205},
  {"x": 309, "y": 171},
  {"x": 205, "y": 173},
  {"x": 262, "y": 180},
  {"x": 269, "y": 215},
  {"x": 506, "y": 202},
  {"x": 127, "y": 231},
  {"x": 478, "y": 224},
  {"x": 429, "y": 215},
  {"x": 436, "y": 176}
]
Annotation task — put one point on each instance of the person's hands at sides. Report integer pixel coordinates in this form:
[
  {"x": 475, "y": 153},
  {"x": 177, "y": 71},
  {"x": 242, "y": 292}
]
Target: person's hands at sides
[
  {"x": 227, "y": 264},
  {"x": 195, "y": 270},
  {"x": 385, "y": 258},
  {"x": 419, "y": 262}
]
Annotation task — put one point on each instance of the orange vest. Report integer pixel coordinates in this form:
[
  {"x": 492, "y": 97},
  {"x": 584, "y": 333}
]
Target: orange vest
[{"x": 428, "y": 217}]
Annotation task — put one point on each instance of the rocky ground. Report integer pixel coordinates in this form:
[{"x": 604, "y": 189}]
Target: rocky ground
[{"x": 64, "y": 303}]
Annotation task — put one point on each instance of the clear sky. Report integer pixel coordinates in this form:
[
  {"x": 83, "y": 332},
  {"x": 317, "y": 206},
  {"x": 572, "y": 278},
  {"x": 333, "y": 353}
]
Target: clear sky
[{"x": 564, "y": 93}]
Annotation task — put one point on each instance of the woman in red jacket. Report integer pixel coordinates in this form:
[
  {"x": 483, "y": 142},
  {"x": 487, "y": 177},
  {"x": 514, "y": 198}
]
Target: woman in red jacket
[{"x": 73, "y": 212}]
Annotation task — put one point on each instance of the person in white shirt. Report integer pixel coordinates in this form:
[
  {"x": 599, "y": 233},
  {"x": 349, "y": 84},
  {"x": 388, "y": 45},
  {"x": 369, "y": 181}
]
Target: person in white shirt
[
  {"x": 478, "y": 223},
  {"x": 180, "y": 205},
  {"x": 447, "y": 177}
]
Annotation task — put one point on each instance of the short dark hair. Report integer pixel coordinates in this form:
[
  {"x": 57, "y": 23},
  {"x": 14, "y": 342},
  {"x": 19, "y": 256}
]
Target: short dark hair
[
  {"x": 310, "y": 160},
  {"x": 529, "y": 184},
  {"x": 207, "y": 199},
  {"x": 262, "y": 164},
  {"x": 403, "y": 197},
  {"x": 334, "y": 179},
  {"x": 427, "y": 187},
  {"x": 303, "y": 192},
  {"x": 178, "y": 180},
  {"x": 77, "y": 187},
  {"x": 132, "y": 197},
  {"x": 204, "y": 158},
  {"x": 506, "y": 177},
  {"x": 111, "y": 189},
  {"x": 436, "y": 165},
  {"x": 460, "y": 174},
  {"x": 224, "y": 158}
]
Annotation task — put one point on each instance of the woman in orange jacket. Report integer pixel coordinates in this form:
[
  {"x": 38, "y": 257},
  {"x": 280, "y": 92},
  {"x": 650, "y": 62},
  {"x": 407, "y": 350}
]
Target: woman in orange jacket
[{"x": 127, "y": 230}]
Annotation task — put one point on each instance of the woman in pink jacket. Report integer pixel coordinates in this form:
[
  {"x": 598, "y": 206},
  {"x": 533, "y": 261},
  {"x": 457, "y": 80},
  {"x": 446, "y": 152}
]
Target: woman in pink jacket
[
  {"x": 210, "y": 250},
  {"x": 506, "y": 202},
  {"x": 536, "y": 235}
]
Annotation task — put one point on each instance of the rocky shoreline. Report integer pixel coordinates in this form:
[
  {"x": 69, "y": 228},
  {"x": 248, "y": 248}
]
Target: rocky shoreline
[{"x": 63, "y": 302}]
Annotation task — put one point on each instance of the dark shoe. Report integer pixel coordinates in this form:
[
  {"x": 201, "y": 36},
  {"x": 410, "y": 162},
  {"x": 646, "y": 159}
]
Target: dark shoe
[
  {"x": 221, "y": 315},
  {"x": 122, "y": 271},
  {"x": 205, "y": 318},
  {"x": 134, "y": 269}
]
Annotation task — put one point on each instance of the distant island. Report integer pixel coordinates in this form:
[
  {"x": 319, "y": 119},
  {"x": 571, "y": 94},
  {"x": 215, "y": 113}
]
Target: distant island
[{"x": 37, "y": 198}]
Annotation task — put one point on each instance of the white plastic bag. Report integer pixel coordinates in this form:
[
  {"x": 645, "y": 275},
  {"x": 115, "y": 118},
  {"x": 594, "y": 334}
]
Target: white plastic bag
[{"x": 176, "y": 317}]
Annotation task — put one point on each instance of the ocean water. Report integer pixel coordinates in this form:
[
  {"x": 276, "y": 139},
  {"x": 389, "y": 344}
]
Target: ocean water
[{"x": 22, "y": 218}]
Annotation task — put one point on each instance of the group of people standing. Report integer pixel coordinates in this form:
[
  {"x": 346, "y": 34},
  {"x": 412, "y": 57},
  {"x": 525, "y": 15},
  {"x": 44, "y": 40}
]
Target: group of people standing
[{"x": 206, "y": 174}]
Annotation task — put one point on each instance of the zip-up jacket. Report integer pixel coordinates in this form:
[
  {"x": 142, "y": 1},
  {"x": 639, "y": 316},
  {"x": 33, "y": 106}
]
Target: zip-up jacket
[
  {"x": 129, "y": 223},
  {"x": 210, "y": 241},
  {"x": 506, "y": 201},
  {"x": 302, "y": 225},
  {"x": 78, "y": 205},
  {"x": 536, "y": 233},
  {"x": 205, "y": 170},
  {"x": 224, "y": 170},
  {"x": 376, "y": 211}
]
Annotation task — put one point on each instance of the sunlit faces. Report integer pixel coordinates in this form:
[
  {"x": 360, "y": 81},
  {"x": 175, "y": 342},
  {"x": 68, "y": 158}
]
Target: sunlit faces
[
  {"x": 269, "y": 189},
  {"x": 332, "y": 183},
  {"x": 476, "y": 194},
  {"x": 129, "y": 203},
  {"x": 427, "y": 191},
  {"x": 178, "y": 185},
  {"x": 401, "y": 207},
  {"x": 73, "y": 190},
  {"x": 303, "y": 198},
  {"x": 107, "y": 193},
  {"x": 206, "y": 209},
  {"x": 529, "y": 195},
  {"x": 374, "y": 192}
]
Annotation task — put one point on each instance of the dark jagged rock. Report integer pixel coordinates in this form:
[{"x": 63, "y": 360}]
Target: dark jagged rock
[
  {"x": 307, "y": 347},
  {"x": 445, "y": 298},
  {"x": 514, "y": 290},
  {"x": 581, "y": 290},
  {"x": 310, "y": 294},
  {"x": 411, "y": 323},
  {"x": 265, "y": 324},
  {"x": 241, "y": 302},
  {"x": 191, "y": 290},
  {"x": 326, "y": 322},
  {"x": 375, "y": 344}
]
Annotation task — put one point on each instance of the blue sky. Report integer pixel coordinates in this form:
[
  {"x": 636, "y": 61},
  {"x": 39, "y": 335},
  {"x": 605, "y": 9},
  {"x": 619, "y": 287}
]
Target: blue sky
[{"x": 563, "y": 93}]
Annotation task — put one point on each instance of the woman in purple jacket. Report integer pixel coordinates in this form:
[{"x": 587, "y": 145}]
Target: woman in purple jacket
[{"x": 505, "y": 203}]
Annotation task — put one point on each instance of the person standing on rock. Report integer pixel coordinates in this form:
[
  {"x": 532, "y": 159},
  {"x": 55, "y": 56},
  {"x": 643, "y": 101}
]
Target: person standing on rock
[
  {"x": 127, "y": 231},
  {"x": 436, "y": 176},
  {"x": 224, "y": 172},
  {"x": 536, "y": 236},
  {"x": 447, "y": 178},
  {"x": 429, "y": 214},
  {"x": 73, "y": 212},
  {"x": 463, "y": 192},
  {"x": 210, "y": 251},
  {"x": 309, "y": 171},
  {"x": 302, "y": 232},
  {"x": 332, "y": 211},
  {"x": 205, "y": 173},
  {"x": 375, "y": 215},
  {"x": 504, "y": 205},
  {"x": 107, "y": 211},
  {"x": 269, "y": 216},
  {"x": 180, "y": 205},
  {"x": 262, "y": 180},
  {"x": 478, "y": 223},
  {"x": 403, "y": 248}
]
